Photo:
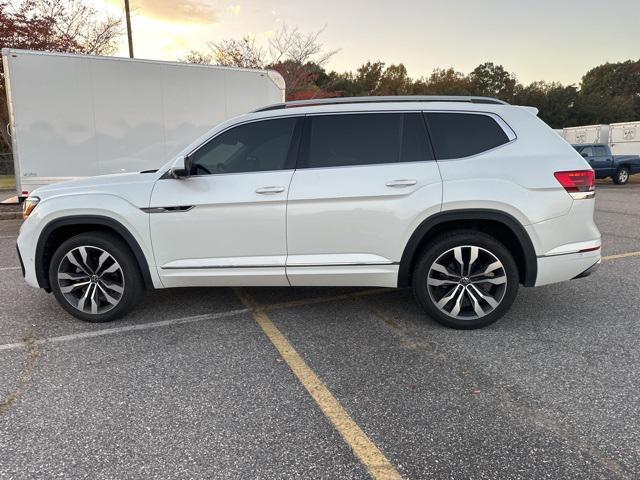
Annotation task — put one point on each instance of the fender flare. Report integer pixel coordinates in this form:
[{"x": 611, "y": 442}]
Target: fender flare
[
  {"x": 530, "y": 258},
  {"x": 81, "y": 220}
]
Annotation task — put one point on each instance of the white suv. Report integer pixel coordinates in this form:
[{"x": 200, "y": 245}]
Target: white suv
[{"x": 461, "y": 198}]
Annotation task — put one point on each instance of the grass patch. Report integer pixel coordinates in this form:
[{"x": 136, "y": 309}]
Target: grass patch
[{"x": 7, "y": 181}]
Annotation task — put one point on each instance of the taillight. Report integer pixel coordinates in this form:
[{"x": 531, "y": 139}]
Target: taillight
[{"x": 579, "y": 184}]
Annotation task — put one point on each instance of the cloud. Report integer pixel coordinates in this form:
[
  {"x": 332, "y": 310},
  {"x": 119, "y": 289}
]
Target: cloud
[{"x": 181, "y": 11}]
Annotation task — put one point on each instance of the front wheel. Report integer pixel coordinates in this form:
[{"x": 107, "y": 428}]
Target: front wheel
[
  {"x": 622, "y": 176},
  {"x": 465, "y": 280},
  {"x": 95, "y": 277}
]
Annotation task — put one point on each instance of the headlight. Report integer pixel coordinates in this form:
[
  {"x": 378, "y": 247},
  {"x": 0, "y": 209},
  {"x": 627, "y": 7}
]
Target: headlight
[{"x": 29, "y": 204}]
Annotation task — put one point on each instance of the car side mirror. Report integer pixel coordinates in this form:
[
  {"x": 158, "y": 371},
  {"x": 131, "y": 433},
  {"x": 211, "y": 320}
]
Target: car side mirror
[
  {"x": 182, "y": 167},
  {"x": 584, "y": 155}
]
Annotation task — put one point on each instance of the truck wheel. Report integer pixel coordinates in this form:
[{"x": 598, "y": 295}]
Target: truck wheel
[
  {"x": 622, "y": 176},
  {"x": 465, "y": 279},
  {"x": 95, "y": 277}
]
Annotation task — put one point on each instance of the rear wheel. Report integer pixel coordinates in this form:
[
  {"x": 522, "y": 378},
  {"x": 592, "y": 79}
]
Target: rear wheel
[
  {"x": 95, "y": 277},
  {"x": 465, "y": 280},
  {"x": 622, "y": 176}
]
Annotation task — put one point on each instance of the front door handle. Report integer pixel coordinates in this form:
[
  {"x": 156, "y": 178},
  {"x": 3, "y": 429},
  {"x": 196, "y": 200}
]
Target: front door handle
[
  {"x": 401, "y": 183},
  {"x": 270, "y": 190}
]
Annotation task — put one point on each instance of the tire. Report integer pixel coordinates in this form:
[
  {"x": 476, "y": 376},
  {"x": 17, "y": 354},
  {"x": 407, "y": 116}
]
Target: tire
[
  {"x": 622, "y": 176},
  {"x": 435, "y": 280},
  {"x": 95, "y": 277}
]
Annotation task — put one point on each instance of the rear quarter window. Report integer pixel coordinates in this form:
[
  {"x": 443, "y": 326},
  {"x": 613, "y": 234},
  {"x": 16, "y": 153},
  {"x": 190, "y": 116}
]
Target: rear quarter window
[{"x": 458, "y": 135}]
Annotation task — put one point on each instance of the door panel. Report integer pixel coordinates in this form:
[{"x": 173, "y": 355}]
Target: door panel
[
  {"x": 345, "y": 226},
  {"x": 225, "y": 224},
  {"x": 361, "y": 183},
  {"x": 232, "y": 236},
  {"x": 602, "y": 161}
]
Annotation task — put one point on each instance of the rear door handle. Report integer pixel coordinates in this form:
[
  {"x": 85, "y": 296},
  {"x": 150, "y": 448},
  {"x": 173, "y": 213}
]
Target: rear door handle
[
  {"x": 269, "y": 190},
  {"x": 401, "y": 183}
]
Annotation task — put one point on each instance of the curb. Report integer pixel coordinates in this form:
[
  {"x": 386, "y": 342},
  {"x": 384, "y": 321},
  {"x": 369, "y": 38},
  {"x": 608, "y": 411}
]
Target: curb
[{"x": 10, "y": 215}]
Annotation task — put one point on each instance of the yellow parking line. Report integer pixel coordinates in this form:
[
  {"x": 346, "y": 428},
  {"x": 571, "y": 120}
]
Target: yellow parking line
[
  {"x": 622, "y": 255},
  {"x": 371, "y": 457}
]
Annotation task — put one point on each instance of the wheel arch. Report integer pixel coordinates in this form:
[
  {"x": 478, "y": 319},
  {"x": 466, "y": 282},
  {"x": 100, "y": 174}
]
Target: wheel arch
[
  {"x": 60, "y": 229},
  {"x": 500, "y": 224}
]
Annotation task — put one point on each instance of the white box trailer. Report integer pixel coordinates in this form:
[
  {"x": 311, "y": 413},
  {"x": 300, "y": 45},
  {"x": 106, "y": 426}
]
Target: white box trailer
[
  {"x": 586, "y": 134},
  {"x": 77, "y": 115},
  {"x": 624, "y": 138}
]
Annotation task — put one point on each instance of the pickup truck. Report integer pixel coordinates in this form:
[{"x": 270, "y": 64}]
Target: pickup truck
[{"x": 618, "y": 167}]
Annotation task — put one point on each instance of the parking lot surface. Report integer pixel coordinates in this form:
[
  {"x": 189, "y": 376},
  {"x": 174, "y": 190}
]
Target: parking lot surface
[{"x": 328, "y": 383}]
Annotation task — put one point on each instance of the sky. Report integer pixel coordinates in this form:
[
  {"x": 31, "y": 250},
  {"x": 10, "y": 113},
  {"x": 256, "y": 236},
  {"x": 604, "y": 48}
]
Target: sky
[{"x": 551, "y": 40}]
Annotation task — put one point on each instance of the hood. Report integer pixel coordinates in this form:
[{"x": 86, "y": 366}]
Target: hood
[{"x": 135, "y": 187}]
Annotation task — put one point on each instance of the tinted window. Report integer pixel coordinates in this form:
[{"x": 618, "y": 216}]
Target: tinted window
[
  {"x": 252, "y": 147},
  {"x": 366, "y": 139},
  {"x": 588, "y": 151},
  {"x": 600, "y": 151},
  {"x": 457, "y": 135}
]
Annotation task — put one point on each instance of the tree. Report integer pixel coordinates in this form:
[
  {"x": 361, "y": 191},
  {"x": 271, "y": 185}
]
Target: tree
[
  {"x": 78, "y": 21},
  {"x": 297, "y": 56},
  {"x": 594, "y": 109},
  {"x": 444, "y": 82},
  {"x": 493, "y": 81},
  {"x": 554, "y": 101},
  {"x": 197, "y": 57},
  {"x": 368, "y": 77},
  {"x": 242, "y": 53},
  {"x": 52, "y": 25},
  {"x": 395, "y": 81},
  {"x": 612, "y": 80}
]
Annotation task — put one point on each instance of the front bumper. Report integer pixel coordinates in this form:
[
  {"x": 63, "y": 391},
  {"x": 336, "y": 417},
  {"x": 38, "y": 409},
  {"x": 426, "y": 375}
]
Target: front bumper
[
  {"x": 26, "y": 245},
  {"x": 20, "y": 259}
]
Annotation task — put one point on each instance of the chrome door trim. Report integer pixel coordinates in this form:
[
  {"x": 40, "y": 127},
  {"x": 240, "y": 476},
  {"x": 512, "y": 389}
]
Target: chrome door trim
[
  {"x": 300, "y": 265},
  {"x": 176, "y": 209}
]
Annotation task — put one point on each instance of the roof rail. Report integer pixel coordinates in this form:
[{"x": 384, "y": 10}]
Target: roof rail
[{"x": 381, "y": 99}]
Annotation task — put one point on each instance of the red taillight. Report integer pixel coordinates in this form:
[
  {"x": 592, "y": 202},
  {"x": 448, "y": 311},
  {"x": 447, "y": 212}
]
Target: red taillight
[{"x": 579, "y": 183}]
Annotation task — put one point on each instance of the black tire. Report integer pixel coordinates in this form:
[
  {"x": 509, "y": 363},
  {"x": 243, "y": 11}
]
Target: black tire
[
  {"x": 128, "y": 272},
  {"x": 442, "y": 249},
  {"x": 622, "y": 176}
]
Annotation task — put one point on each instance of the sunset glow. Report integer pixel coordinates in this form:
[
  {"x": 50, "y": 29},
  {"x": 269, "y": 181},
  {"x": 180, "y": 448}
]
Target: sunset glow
[{"x": 544, "y": 40}]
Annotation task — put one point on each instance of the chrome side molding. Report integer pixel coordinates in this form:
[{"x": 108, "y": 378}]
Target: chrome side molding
[{"x": 180, "y": 208}]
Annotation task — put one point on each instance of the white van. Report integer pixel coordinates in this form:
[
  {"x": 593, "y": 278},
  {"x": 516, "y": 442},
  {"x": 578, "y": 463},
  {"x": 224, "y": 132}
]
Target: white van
[{"x": 78, "y": 115}]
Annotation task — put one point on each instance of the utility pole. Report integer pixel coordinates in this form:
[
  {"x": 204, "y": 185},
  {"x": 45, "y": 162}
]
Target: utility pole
[{"x": 128, "y": 15}]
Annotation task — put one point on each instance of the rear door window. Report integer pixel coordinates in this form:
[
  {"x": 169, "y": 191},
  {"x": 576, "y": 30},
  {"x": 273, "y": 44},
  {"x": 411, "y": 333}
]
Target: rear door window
[
  {"x": 458, "y": 135},
  {"x": 600, "y": 151},
  {"x": 587, "y": 151},
  {"x": 365, "y": 139}
]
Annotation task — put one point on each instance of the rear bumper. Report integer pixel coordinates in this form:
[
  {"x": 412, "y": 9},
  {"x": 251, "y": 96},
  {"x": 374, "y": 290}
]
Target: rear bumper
[
  {"x": 559, "y": 268},
  {"x": 589, "y": 271}
]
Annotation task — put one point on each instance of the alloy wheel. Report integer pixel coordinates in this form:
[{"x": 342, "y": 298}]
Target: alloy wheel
[
  {"x": 467, "y": 282},
  {"x": 623, "y": 176},
  {"x": 91, "y": 280}
]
